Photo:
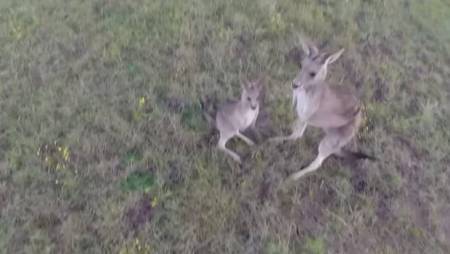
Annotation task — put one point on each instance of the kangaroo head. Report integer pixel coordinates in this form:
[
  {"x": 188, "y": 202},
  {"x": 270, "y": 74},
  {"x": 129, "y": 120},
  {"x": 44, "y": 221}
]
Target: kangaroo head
[
  {"x": 313, "y": 66},
  {"x": 250, "y": 93}
]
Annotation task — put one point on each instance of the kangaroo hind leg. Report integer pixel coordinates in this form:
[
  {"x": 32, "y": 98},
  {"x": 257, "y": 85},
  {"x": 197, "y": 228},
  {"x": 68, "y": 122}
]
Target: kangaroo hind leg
[
  {"x": 222, "y": 146},
  {"x": 328, "y": 145}
]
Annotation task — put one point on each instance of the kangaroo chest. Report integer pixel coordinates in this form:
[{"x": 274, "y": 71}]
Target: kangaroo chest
[
  {"x": 302, "y": 103},
  {"x": 248, "y": 117}
]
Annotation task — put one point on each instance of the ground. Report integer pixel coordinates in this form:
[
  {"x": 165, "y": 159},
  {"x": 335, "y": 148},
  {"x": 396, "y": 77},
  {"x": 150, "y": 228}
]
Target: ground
[{"x": 104, "y": 147}]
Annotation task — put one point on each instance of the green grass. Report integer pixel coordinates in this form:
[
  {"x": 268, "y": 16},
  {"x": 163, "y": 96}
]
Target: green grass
[{"x": 103, "y": 148}]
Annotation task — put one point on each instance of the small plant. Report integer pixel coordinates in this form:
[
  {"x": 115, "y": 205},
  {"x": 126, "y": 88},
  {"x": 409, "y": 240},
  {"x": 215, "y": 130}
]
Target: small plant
[
  {"x": 133, "y": 70},
  {"x": 315, "y": 246},
  {"x": 139, "y": 181}
]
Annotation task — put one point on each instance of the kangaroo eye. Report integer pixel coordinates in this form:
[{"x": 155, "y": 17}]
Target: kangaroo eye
[
  {"x": 312, "y": 74},
  {"x": 249, "y": 99}
]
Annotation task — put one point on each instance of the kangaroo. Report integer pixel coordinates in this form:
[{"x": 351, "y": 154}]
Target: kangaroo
[
  {"x": 236, "y": 116},
  {"x": 336, "y": 110}
]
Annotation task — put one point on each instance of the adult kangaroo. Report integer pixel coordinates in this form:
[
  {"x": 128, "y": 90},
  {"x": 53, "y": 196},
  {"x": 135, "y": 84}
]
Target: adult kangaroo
[{"x": 334, "y": 109}]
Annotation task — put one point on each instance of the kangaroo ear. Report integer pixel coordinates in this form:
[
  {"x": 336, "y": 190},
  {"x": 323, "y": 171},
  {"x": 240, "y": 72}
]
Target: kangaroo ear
[
  {"x": 333, "y": 57},
  {"x": 309, "y": 49},
  {"x": 322, "y": 73}
]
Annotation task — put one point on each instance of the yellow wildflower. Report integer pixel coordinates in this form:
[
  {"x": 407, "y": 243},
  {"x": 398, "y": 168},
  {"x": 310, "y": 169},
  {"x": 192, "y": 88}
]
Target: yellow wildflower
[
  {"x": 66, "y": 153},
  {"x": 154, "y": 202},
  {"x": 141, "y": 102}
]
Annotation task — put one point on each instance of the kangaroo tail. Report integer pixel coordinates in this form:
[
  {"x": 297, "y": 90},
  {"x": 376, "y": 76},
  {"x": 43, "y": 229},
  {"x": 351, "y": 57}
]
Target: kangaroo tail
[{"x": 358, "y": 155}]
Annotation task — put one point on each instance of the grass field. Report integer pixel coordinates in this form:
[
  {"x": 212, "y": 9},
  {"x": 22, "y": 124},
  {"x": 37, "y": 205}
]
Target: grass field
[{"x": 103, "y": 147}]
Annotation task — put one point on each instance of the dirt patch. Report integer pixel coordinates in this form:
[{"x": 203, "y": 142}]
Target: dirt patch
[{"x": 139, "y": 214}]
